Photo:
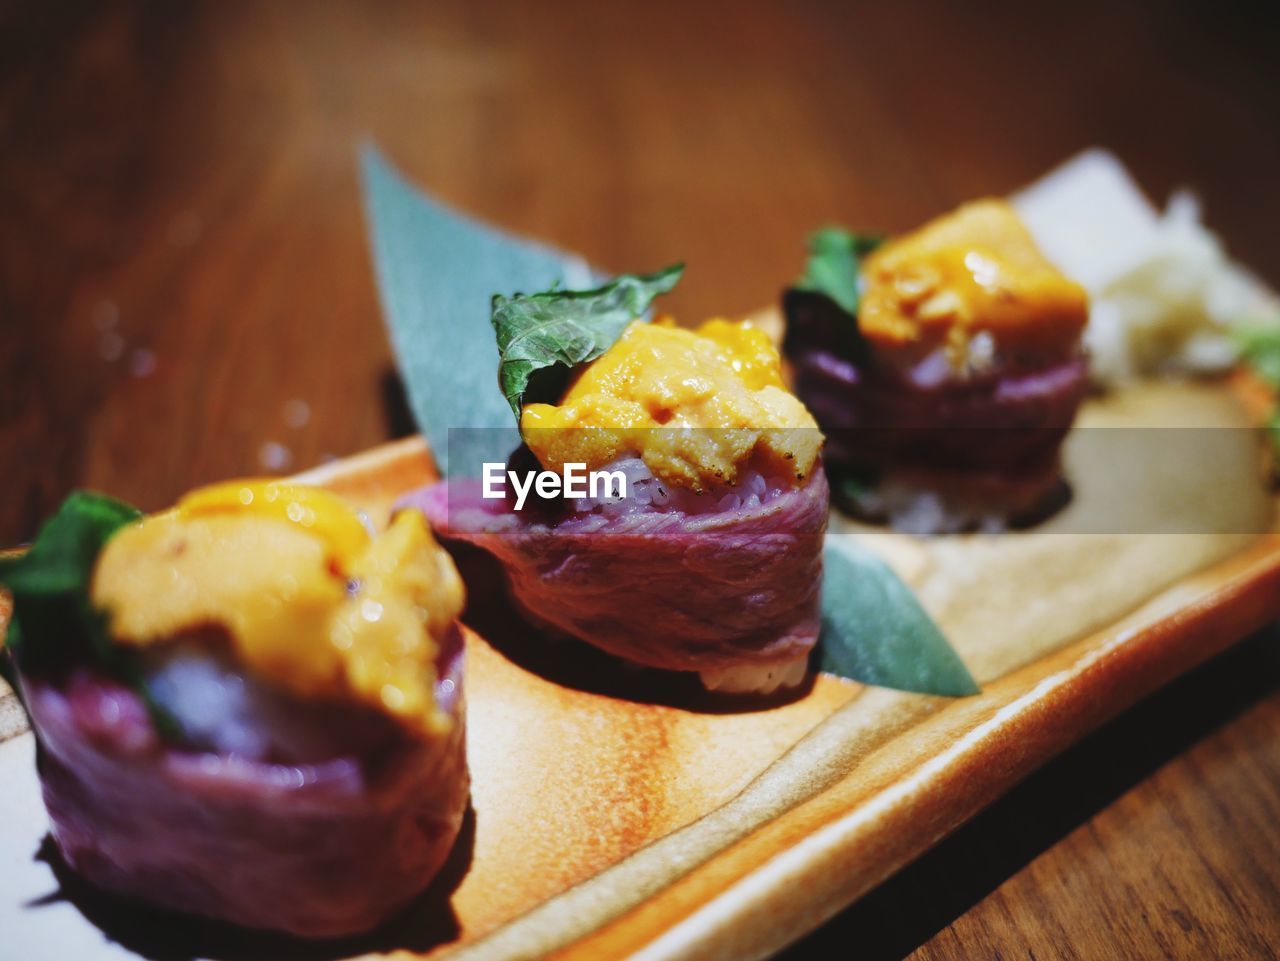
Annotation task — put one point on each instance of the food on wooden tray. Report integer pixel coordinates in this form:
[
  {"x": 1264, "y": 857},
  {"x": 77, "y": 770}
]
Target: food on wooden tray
[
  {"x": 701, "y": 550},
  {"x": 1164, "y": 296},
  {"x": 945, "y": 367},
  {"x": 247, "y": 707}
]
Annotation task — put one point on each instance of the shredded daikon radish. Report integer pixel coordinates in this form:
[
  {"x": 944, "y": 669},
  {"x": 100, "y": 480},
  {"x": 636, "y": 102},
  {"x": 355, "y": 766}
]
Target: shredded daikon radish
[{"x": 1164, "y": 295}]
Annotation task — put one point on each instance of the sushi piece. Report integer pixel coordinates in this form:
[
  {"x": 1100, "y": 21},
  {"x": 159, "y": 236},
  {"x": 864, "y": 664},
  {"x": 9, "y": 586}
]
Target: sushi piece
[
  {"x": 945, "y": 366},
  {"x": 247, "y": 707},
  {"x": 705, "y": 556}
]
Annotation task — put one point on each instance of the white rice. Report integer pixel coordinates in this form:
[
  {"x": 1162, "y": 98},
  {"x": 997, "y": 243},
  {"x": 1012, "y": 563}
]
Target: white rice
[
  {"x": 648, "y": 494},
  {"x": 219, "y": 709},
  {"x": 756, "y": 678}
]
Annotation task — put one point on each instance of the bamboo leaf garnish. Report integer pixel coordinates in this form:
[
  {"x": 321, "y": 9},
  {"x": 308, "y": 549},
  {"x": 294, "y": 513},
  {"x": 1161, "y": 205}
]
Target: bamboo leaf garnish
[
  {"x": 874, "y": 630},
  {"x": 437, "y": 269},
  {"x": 542, "y": 337}
]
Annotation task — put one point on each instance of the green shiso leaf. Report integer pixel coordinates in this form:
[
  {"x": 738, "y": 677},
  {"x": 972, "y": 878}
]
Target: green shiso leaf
[
  {"x": 1260, "y": 348},
  {"x": 60, "y": 560},
  {"x": 1259, "y": 345},
  {"x": 835, "y": 265},
  {"x": 542, "y": 337},
  {"x": 1273, "y": 432},
  {"x": 53, "y": 618},
  {"x": 50, "y": 582},
  {"x": 875, "y": 631}
]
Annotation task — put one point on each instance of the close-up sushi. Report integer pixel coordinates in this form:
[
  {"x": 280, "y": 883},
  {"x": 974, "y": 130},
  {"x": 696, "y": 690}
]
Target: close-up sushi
[
  {"x": 944, "y": 365},
  {"x": 247, "y": 707},
  {"x": 714, "y": 530},
  {"x": 940, "y": 495}
]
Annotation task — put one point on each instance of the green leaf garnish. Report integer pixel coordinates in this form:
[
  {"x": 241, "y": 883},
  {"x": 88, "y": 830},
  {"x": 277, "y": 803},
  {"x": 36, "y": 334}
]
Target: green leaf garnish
[
  {"x": 1260, "y": 349},
  {"x": 437, "y": 270},
  {"x": 1273, "y": 432},
  {"x": 1259, "y": 345},
  {"x": 542, "y": 337},
  {"x": 52, "y": 614},
  {"x": 62, "y": 557},
  {"x": 875, "y": 631},
  {"x": 835, "y": 265}
]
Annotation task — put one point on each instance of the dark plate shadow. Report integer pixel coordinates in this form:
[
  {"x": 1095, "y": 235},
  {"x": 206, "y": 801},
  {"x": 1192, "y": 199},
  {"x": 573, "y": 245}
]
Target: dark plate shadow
[
  {"x": 427, "y": 922},
  {"x": 575, "y": 664},
  {"x": 395, "y": 406},
  {"x": 847, "y": 493}
]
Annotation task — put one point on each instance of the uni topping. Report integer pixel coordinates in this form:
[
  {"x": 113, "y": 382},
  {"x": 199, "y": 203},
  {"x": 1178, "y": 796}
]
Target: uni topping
[
  {"x": 590, "y": 383},
  {"x": 307, "y": 598},
  {"x": 724, "y": 379},
  {"x": 976, "y": 271}
]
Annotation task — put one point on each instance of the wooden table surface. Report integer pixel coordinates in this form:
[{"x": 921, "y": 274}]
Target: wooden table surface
[{"x": 185, "y": 294}]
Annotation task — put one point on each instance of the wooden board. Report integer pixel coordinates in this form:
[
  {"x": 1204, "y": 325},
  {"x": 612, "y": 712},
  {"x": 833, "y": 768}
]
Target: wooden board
[{"x": 617, "y": 814}]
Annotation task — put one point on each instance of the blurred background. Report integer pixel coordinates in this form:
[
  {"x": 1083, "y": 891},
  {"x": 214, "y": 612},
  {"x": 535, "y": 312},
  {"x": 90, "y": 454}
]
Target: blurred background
[{"x": 185, "y": 290}]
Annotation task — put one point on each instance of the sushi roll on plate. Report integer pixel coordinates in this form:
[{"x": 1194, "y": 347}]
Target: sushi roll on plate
[
  {"x": 704, "y": 554},
  {"x": 945, "y": 366},
  {"x": 248, "y": 707}
]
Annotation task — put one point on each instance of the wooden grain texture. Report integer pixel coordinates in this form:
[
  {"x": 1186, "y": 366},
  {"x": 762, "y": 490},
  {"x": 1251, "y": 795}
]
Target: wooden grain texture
[{"x": 182, "y": 261}]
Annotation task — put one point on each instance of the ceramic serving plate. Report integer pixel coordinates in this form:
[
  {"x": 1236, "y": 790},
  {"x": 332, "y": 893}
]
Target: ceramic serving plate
[{"x": 619, "y": 814}]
